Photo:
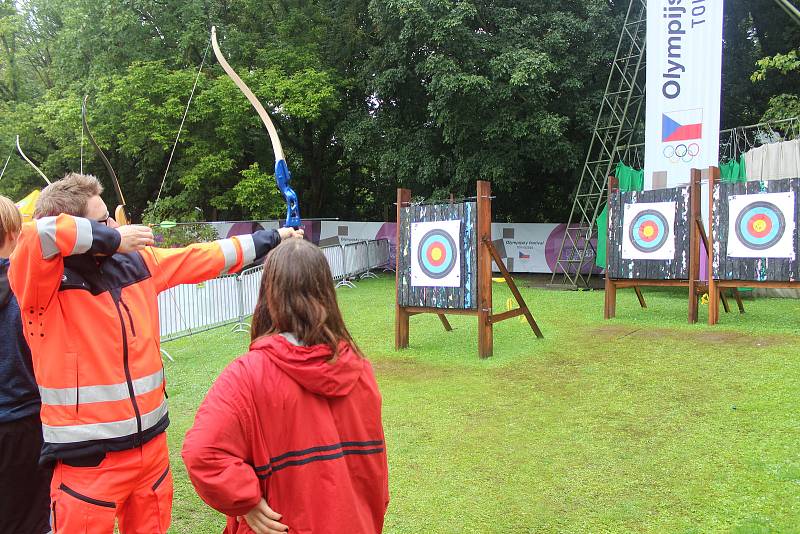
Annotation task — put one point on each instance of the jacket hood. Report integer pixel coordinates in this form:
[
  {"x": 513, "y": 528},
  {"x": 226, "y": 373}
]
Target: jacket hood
[
  {"x": 5, "y": 289},
  {"x": 309, "y": 365}
]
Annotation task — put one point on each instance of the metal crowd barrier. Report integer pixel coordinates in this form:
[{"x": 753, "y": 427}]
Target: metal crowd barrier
[
  {"x": 379, "y": 251},
  {"x": 356, "y": 256},
  {"x": 335, "y": 256},
  {"x": 191, "y": 308}
]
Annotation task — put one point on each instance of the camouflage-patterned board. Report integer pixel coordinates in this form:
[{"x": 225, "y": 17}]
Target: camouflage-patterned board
[
  {"x": 676, "y": 268},
  {"x": 463, "y": 297},
  {"x": 755, "y": 269}
]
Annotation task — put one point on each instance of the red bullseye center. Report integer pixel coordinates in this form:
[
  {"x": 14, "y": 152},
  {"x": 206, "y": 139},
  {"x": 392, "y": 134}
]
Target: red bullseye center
[
  {"x": 648, "y": 231},
  {"x": 759, "y": 225},
  {"x": 436, "y": 254}
]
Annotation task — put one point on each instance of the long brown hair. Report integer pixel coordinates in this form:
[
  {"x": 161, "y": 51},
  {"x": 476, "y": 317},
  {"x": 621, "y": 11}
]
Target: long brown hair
[{"x": 297, "y": 296}]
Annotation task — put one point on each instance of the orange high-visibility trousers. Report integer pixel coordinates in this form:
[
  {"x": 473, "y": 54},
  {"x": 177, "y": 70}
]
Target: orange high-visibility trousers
[{"x": 133, "y": 485}]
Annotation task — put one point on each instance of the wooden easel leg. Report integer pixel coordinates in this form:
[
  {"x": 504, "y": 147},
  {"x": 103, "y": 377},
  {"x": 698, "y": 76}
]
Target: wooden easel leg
[
  {"x": 400, "y": 314},
  {"x": 513, "y": 287},
  {"x": 724, "y": 300},
  {"x": 695, "y": 238},
  {"x": 611, "y": 300},
  {"x": 640, "y": 296},
  {"x": 693, "y": 304},
  {"x": 445, "y": 322},
  {"x": 485, "y": 334},
  {"x": 401, "y": 329},
  {"x": 738, "y": 297},
  {"x": 532, "y": 323},
  {"x": 694, "y": 301},
  {"x": 713, "y": 304},
  {"x": 484, "y": 208},
  {"x": 713, "y": 288}
]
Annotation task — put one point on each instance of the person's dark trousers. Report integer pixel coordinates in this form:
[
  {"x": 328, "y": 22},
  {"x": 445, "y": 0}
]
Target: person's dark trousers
[{"x": 24, "y": 485}]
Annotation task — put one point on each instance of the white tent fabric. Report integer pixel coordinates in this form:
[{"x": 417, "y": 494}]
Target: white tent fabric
[{"x": 774, "y": 161}]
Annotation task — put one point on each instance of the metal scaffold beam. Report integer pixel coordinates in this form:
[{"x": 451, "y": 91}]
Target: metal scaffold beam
[
  {"x": 616, "y": 127},
  {"x": 790, "y": 10}
]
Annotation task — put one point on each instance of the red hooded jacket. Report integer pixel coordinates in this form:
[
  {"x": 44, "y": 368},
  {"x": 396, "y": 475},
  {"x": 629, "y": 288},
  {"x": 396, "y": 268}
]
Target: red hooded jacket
[{"x": 283, "y": 423}]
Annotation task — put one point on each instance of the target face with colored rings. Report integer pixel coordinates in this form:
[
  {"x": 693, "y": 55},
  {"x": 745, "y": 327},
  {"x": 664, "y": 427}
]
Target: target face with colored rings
[
  {"x": 760, "y": 225},
  {"x": 649, "y": 231},
  {"x": 437, "y": 254}
]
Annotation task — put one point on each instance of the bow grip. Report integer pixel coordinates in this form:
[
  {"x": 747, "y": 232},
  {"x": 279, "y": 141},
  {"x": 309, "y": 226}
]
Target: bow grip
[{"x": 283, "y": 177}]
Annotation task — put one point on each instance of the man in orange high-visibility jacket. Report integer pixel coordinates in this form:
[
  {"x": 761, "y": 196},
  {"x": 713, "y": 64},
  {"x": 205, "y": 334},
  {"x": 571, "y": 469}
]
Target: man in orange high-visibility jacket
[{"x": 87, "y": 291}]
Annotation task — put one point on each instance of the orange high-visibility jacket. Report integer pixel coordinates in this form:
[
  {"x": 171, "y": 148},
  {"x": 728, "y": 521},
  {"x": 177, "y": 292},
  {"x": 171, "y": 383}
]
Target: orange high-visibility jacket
[{"x": 91, "y": 319}]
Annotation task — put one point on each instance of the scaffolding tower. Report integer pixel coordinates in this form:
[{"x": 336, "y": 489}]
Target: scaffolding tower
[{"x": 617, "y": 124}]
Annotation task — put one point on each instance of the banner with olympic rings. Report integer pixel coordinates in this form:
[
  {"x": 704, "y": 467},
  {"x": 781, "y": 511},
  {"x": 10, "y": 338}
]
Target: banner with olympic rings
[
  {"x": 761, "y": 226},
  {"x": 435, "y": 254},
  {"x": 684, "y": 73},
  {"x": 648, "y": 231}
]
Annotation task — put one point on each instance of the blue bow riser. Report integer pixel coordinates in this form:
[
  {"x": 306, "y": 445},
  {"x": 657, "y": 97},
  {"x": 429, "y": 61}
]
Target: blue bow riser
[{"x": 283, "y": 177}]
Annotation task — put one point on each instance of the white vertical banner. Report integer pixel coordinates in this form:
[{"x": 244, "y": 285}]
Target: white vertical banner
[{"x": 684, "y": 77}]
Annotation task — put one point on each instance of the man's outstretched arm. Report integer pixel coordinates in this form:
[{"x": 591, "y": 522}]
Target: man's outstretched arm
[{"x": 204, "y": 261}]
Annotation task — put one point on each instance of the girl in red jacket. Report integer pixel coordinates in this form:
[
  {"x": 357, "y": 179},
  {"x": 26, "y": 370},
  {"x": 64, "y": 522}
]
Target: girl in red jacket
[{"x": 289, "y": 437}]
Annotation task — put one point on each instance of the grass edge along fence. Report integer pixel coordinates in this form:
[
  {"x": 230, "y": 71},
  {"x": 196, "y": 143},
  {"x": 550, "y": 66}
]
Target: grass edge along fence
[{"x": 187, "y": 309}]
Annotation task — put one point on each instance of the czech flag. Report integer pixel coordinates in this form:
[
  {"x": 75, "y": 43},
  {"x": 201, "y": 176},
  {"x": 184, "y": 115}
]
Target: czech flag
[
  {"x": 524, "y": 256},
  {"x": 682, "y": 125}
]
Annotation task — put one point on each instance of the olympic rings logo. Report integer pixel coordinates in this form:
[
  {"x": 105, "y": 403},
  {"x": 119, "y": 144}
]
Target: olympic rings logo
[{"x": 681, "y": 153}]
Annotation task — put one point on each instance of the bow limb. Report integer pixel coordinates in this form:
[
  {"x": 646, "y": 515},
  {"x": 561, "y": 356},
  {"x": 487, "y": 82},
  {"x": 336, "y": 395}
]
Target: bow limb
[
  {"x": 21, "y": 153},
  {"x": 282, "y": 174},
  {"x": 120, "y": 214}
]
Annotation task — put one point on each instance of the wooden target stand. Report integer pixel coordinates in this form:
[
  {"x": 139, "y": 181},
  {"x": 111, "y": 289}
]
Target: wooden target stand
[
  {"x": 717, "y": 284},
  {"x": 486, "y": 253},
  {"x": 697, "y": 235}
]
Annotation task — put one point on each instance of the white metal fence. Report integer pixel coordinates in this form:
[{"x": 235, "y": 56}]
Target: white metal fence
[{"x": 190, "y": 308}]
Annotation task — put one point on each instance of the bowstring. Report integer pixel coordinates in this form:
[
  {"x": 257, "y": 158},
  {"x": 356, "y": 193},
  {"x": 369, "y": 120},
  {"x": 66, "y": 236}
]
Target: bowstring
[
  {"x": 6, "y": 164},
  {"x": 81, "y": 142},
  {"x": 180, "y": 128},
  {"x": 166, "y": 171}
]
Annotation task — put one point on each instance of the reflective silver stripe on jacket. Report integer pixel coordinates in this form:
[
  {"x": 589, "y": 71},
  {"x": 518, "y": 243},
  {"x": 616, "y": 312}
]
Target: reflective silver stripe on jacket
[
  {"x": 248, "y": 248},
  {"x": 229, "y": 253},
  {"x": 46, "y": 227},
  {"x": 114, "y": 429},
  {"x": 104, "y": 393},
  {"x": 83, "y": 239}
]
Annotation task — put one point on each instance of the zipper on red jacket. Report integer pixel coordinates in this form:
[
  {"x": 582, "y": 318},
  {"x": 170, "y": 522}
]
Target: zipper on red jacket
[
  {"x": 130, "y": 317},
  {"x": 128, "y": 379}
]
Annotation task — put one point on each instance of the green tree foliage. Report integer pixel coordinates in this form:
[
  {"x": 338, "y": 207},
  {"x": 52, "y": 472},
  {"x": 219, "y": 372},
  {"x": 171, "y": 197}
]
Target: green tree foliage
[
  {"x": 785, "y": 105},
  {"x": 506, "y": 91},
  {"x": 367, "y": 95}
]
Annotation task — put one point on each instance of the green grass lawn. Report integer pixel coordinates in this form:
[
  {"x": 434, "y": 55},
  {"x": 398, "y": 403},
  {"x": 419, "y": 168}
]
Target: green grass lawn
[{"x": 639, "y": 424}]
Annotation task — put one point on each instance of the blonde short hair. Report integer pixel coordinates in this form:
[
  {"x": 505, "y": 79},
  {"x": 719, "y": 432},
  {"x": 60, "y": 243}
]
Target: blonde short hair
[
  {"x": 69, "y": 195},
  {"x": 10, "y": 219}
]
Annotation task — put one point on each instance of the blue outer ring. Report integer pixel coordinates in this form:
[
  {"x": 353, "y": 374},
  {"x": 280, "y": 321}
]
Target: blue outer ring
[{"x": 427, "y": 240}]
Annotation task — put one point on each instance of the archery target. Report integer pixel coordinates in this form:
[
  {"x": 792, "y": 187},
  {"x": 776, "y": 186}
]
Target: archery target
[
  {"x": 761, "y": 225},
  {"x": 648, "y": 231},
  {"x": 435, "y": 257}
]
